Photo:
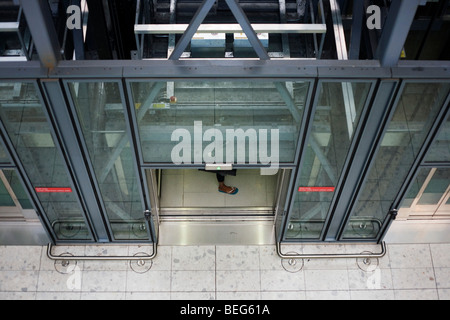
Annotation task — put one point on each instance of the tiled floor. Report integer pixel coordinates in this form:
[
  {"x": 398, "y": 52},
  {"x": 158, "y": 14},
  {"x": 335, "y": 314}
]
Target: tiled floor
[
  {"x": 420, "y": 271},
  {"x": 193, "y": 188}
]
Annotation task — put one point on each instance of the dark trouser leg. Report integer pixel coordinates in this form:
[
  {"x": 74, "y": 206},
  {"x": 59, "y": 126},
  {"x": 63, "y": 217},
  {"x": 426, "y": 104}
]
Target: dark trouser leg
[{"x": 220, "y": 178}]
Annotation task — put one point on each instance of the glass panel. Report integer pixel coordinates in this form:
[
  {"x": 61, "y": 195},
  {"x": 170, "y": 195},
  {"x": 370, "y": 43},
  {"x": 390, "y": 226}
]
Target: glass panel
[
  {"x": 3, "y": 155},
  {"x": 415, "y": 188},
  {"x": 416, "y": 111},
  {"x": 265, "y": 111},
  {"x": 102, "y": 120},
  {"x": 19, "y": 192},
  {"x": 337, "y": 116},
  {"x": 440, "y": 150},
  {"x": 5, "y": 197},
  {"x": 26, "y": 124}
]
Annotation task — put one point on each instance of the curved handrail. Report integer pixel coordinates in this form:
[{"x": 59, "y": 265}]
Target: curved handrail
[
  {"x": 51, "y": 256},
  {"x": 363, "y": 255}
]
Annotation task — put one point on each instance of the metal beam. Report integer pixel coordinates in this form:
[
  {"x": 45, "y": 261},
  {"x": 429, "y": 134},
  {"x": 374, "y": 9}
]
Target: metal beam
[
  {"x": 284, "y": 37},
  {"x": 242, "y": 19},
  {"x": 357, "y": 25},
  {"x": 196, "y": 21},
  {"x": 230, "y": 28},
  {"x": 339, "y": 35},
  {"x": 167, "y": 70},
  {"x": 40, "y": 23},
  {"x": 395, "y": 31}
]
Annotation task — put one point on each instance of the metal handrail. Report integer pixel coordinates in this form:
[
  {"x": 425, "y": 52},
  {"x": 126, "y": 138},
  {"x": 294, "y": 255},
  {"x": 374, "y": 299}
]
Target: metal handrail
[
  {"x": 51, "y": 256},
  {"x": 363, "y": 255}
]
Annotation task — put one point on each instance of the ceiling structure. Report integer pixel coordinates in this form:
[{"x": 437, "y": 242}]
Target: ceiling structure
[{"x": 224, "y": 29}]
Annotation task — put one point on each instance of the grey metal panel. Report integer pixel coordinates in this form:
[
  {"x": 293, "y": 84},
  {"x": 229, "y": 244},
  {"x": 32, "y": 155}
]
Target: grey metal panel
[
  {"x": 221, "y": 69},
  {"x": 350, "y": 69},
  {"x": 418, "y": 232},
  {"x": 422, "y": 70},
  {"x": 23, "y": 234},
  {"x": 22, "y": 70},
  {"x": 227, "y": 68},
  {"x": 89, "y": 69}
]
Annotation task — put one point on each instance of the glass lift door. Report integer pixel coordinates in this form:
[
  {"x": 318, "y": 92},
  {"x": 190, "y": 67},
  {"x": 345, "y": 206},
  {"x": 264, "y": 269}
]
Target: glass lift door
[
  {"x": 415, "y": 111},
  {"x": 339, "y": 108},
  {"x": 102, "y": 121},
  {"x": 28, "y": 131},
  {"x": 199, "y": 114}
]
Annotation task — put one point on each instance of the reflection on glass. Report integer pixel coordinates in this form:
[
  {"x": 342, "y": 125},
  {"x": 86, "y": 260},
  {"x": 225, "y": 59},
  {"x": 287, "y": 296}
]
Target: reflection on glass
[
  {"x": 337, "y": 116},
  {"x": 101, "y": 116},
  {"x": 436, "y": 189},
  {"x": 163, "y": 107},
  {"x": 30, "y": 133},
  {"x": 12, "y": 179},
  {"x": 429, "y": 195},
  {"x": 440, "y": 149},
  {"x": 416, "y": 111}
]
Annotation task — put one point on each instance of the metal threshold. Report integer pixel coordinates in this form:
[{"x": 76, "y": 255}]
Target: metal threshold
[
  {"x": 217, "y": 212},
  {"x": 195, "y": 231}
]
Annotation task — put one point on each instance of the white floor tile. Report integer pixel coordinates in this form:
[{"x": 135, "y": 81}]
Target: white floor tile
[
  {"x": 238, "y": 281},
  {"x": 409, "y": 272},
  {"x": 326, "y": 280},
  {"x": 199, "y": 281},
  {"x": 237, "y": 258}
]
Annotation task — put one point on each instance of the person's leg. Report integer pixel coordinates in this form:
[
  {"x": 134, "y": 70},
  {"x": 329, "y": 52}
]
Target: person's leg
[
  {"x": 220, "y": 178},
  {"x": 223, "y": 187}
]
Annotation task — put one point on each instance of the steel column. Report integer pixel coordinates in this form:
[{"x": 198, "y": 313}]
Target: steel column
[
  {"x": 395, "y": 31},
  {"x": 358, "y": 19},
  {"x": 40, "y": 22}
]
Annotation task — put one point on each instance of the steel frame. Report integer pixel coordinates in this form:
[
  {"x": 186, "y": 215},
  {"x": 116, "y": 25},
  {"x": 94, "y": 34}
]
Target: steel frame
[{"x": 250, "y": 69}]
